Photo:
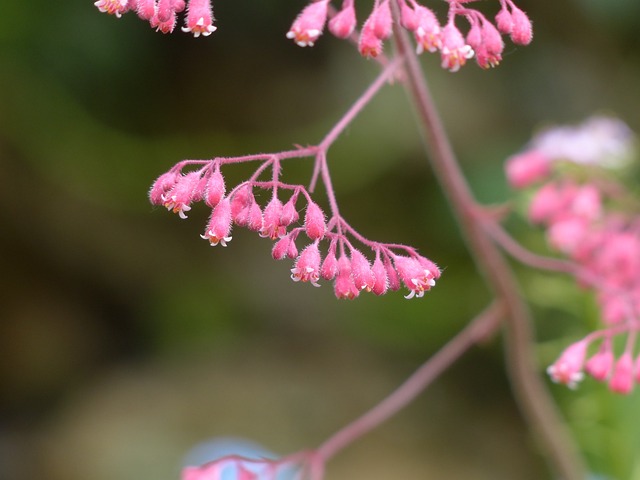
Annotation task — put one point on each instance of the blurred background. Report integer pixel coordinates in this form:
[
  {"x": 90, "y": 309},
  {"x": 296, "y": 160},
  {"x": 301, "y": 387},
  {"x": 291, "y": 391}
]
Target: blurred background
[{"x": 126, "y": 340}]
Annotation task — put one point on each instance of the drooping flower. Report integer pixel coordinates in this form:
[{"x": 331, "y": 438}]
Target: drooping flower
[
  {"x": 343, "y": 23},
  {"x": 414, "y": 275},
  {"x": 343, "y": 286},
  {"x": 219, "y": 227},
  {"x": 179, "y": 198},
  {"x": 527, "y": 168},
  {"x": 381, "y": 280},
  {"x": 307, "y": 267},
  {"x": 361, "y": 273},
  {"x": 376, "y": 28},
  {"x": 199, "y": 20},
  {"x": 271, "y": 220},
  {"x": 454, "y": 51},
  {"x": 314, "y": 222},
  {"x": 599, "y": 366},
  {"x": 568, "y": 368},
  {"x": 113, "y": 7},
  {"x": 215, "y": 189},
  {"x": 309, "y": 24},
  {"x": 522, "y": 30},
  {"x": 623, "y": 373}
]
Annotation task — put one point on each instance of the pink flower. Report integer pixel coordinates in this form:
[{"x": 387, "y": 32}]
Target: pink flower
[
  {"x": 428, "y": 31},
  {"x": 568, "y": 368},
  {"x": 162, "y": 186},
  {"x": 314, "y": 222},
  {"x": 113, "y": 7},
  {"x": 215, "y": 188},
  {"x": 199, "y": 20},
  {"x": 254, "y": 218},
  {"x": 587, "y": 203},
  {"x": 492, "y": 46},
  {"x": 381, "y": 281},
  {"x": 454, "y": 51},
  {"x": 392, "y": 276},
  {"x": 526, "y": 168},
  {"x": 599, "y": 366},
  {"x": 522, "y": 30},
  {"x": 307, "y": 268},
  {"x": 179, "y": 198},
  {"x": 504, "y": 20},
  {"x": 330, "y": 265},
  {"x": 219, "y": 226},
  {"x": 308, "y": 26},
  {"x": 146, "y": 9},
  {"x": 343, "y": 23},
  {"x": 369, "y": 44},
  {"x": 376, "y": 28},
  {"x": 568, "y": 233},
  {"x": 415, "y": 276},
  {"x": 280, "y": 248},
  {"x": 361, "y": 273},
  {"x": 622, "y": 379},
  {"x": 343, "y": 286},
  {"x": 289, "y": 213},
  {"x": 547, "y": 203},
  {"x": 380, "y": 20},
  {"x": 164, "y": 10},
  {"x": 271, "y": 220},
  {"x": 241, "y": 199},
  {"x": 166, "y": 26}
]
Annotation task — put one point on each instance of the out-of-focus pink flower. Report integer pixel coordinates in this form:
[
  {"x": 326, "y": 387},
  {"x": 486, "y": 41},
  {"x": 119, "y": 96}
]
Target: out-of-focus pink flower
[{"x": 568, "y": 368}]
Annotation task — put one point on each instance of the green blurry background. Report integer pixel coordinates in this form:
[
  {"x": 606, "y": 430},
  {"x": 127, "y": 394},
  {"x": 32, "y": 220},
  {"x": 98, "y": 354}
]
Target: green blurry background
[{"x": 125, "y": 340}]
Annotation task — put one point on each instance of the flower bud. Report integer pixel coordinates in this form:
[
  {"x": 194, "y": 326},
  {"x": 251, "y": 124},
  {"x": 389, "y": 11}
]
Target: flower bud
[
  {"x": 343, "y": 285},
  {"x": 381, "y": 282},
  {"x": 146, "y": 9},
  {"x": 363, "y": 278},
  {"x": 161, "y": 186},
  {"x": 329, "y": 266},
  {"x": 289, "y": 213},
  {"x": 522, "y": 31},
  {"x": 271, "y": 226},
  {"x": 314, "y": 222},
  {"x": 219, "y": 226},
  {"x": 344, "y": 22},
  {"x": 215, "y": 188},
  {"x": 622, "y": 379}
]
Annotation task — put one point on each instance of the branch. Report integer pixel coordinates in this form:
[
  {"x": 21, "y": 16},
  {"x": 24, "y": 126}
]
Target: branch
[
  {"x": 534, "y": 400},
  {"x": 476, "y": 331}
]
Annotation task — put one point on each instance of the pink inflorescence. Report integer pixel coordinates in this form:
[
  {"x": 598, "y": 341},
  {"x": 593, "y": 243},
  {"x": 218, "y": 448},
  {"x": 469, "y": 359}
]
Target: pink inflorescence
[
  {"x": 591, "y": 219},
  {"x": 483, "y": 39},
  {"x": 163, "y": 14},
  {"x": 279, "y": 220}
]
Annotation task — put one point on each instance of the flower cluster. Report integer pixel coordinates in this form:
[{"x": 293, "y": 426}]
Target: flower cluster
[
  {"x": 280, "y": 221},
  {"x": 591, "y": 219},
  {"x": 163, "y": 14},
  {"x": 484, "y": 38}
]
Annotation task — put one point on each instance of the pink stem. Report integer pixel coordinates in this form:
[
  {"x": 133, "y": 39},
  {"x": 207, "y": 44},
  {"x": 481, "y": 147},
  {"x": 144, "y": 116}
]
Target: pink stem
[
  {"x": 531, "y": 394},
  {"x": 364, "y": 99},
  {"x": 477, "y": 330}
]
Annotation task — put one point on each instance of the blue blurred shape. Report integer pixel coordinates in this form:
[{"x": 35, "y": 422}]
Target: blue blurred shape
[{"x": 217, "y": 448}]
